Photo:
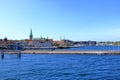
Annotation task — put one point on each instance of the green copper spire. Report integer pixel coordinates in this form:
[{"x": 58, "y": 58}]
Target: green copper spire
[{"x": 31, "y": 35}]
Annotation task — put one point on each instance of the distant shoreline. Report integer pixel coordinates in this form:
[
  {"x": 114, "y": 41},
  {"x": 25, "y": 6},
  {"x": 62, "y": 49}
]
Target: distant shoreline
[{"x": 62, "y": 52}]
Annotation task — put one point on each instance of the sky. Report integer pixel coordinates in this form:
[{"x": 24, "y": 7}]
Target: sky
[{"x": 78, "y": 20}]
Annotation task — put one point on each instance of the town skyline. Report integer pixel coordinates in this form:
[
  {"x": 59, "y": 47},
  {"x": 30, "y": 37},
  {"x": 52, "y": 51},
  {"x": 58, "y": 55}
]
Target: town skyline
[
  {"x": 78, "y": 20},
  {"x": 32, "y": 38}
]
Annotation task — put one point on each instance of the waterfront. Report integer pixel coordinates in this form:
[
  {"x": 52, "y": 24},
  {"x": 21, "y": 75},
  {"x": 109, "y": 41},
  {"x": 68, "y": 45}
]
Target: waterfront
[
  {"x": 60, "y": 67},
  {"x": 80, "y": 50}
]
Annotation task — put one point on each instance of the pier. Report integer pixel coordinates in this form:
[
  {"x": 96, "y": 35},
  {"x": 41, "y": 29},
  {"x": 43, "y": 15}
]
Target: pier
[
  {"x": 64, "y": 52},
  {"x": 2, "y": 53},
  {"x": 70, "y": 52},
  {"x": 19, "y": 53}
]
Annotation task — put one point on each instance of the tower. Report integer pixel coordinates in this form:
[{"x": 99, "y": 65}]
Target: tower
[{"x": 31, "y": 35}]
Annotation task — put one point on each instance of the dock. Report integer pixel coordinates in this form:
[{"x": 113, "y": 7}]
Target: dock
[
  {"x": 65, "y": 52},
  {"x": 2, "y": 53},
  {"x": 62, "y": 52}
]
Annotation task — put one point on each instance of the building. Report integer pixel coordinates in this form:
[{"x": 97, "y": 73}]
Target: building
[
  {"x": 63, "y": 43},
  {"x": 86, "y": 43},
  {"x": 8, "y": 44},
  {"x": 36, "y": 42}
]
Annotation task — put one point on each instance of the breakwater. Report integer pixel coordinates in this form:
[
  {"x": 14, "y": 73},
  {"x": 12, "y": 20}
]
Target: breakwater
[
  {"x": 71, "y": 52},
  {"x": 65, "y": 52}
]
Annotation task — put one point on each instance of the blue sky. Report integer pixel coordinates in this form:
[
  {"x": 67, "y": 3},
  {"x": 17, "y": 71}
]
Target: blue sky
[{"x": 70, "y": 19}]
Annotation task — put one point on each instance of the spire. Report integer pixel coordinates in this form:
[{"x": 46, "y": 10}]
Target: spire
[{"x": 31, "y": 35}]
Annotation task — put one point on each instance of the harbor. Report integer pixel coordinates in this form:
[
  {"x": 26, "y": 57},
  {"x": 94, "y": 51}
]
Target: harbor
[{"x": 59, "y": 40}]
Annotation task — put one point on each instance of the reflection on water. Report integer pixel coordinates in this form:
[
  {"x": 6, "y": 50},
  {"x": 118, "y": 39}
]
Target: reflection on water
[{"x": 59, "y": 66}]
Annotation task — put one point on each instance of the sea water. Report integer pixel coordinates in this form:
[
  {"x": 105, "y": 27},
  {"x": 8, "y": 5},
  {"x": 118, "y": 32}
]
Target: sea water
[
  {"x": 102, "y": 48},
  {"x": 60, "y": 67}
]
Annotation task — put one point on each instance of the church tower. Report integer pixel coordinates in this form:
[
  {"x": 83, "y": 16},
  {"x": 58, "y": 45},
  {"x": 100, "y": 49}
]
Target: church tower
[{"x": 31, "y": 35}]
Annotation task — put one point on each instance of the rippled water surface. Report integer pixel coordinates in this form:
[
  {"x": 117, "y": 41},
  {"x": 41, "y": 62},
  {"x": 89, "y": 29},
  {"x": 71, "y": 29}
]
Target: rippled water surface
[
  {"x": 60, "y": 67},
  {"x": 101, "y": 48}
]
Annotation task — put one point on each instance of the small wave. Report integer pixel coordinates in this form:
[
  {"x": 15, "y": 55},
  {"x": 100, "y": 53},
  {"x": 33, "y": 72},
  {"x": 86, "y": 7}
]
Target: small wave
[
  {"x": 67, "y": 73},
  {"x": 11, "y": 79},
  {"x": 83, "y": 74}
]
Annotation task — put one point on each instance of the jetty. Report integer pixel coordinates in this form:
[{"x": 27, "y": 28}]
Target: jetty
[
  {"x": 63, "y": 52},
  {"x": 2, "y": 53},
  {"x": 71, "y": 52}
]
